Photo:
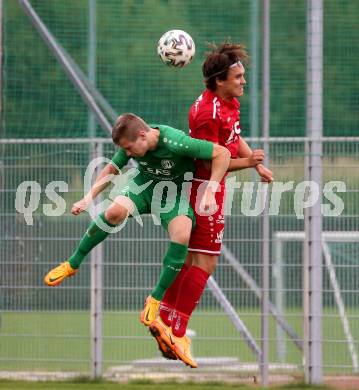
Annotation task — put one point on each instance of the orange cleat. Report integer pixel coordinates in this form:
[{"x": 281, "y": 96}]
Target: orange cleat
[{"x": 59, "y": 273}]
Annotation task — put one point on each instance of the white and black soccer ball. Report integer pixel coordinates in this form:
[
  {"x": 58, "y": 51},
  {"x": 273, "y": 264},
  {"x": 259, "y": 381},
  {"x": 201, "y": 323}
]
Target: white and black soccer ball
[{"x": 176, "y": 48}]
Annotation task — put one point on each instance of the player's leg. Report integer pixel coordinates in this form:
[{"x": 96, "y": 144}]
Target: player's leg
[
  {"x": 205, "y": 244},
  {"x": 179, "y": 229},
  {"x": 172, "y": 209},
  {"x": 169, "y": 299},
  {"x": 162, "y": 332},
  {"x": 191, "y": 290},
  {"x": 178, "y": 222},
  {"x": 97, "y": 231},
  {"x": 189, "y": 294},
  {"x": 201, "y": 238}
]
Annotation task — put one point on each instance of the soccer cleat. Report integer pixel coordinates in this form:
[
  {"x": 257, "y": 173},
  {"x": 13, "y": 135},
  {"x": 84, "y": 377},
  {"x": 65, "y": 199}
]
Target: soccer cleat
[
  {"x": 150, "y": 311},
  {"x": 59, "y": 273},
  {"x": 157, "y": 329},
  {"x": 181, "y": 346}
]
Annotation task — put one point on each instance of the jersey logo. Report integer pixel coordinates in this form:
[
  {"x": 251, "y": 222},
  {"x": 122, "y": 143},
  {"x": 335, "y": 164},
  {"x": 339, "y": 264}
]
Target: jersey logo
[
  {"x": 236, "y": 130},
  {"x": 197, "y": 102},
  {"x": 219, "y": 238},
  {"x": 167, "y": 164}
]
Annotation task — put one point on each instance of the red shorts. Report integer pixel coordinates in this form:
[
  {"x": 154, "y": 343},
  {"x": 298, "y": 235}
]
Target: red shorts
[{"x": 207, "y": 235}]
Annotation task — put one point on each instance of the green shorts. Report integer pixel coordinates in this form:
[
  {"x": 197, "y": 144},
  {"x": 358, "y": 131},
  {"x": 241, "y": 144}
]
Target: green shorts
[{"x": 165, "y": 200}]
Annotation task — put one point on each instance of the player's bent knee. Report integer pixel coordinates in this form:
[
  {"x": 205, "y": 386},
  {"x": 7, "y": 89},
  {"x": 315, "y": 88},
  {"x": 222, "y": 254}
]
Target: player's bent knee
[
  {"x": 189, "y": 259},
  {"x": 180, "y": 229},
  {"x": 206, "y": 262},
  {"x": 119, "y": 210},
  {"x": 181, "y": 237},
  {"x": 115, "y": 214}
]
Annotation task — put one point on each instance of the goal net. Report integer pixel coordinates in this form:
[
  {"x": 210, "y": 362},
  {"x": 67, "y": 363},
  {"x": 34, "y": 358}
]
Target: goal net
[{"x": 340, "y": 298}]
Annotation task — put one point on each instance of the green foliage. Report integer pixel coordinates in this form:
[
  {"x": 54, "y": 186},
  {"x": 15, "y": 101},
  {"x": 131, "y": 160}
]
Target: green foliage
[{"x": 41, "y": 101}]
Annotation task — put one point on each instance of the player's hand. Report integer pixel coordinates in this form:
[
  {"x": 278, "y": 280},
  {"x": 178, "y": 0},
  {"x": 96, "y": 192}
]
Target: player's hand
[
  {"x": 265, "y": 173},
  {"x": 80, "y": 206},
  {"x": 208, "y": 204},
  {"x": 257, "y": 157}
]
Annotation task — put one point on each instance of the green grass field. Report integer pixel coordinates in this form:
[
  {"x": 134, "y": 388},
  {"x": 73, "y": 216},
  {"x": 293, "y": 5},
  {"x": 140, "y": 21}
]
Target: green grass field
[
  {"x": 15, "y": 385},
  {"x": 59, "y": 341}
]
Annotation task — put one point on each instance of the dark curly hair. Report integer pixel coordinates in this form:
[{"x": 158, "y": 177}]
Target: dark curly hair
[{"x": 219, "y": 59}]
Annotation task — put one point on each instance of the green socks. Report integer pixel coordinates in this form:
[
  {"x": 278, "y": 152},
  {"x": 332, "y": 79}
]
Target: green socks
[
  {"x": 93, "y": 236},
  {"x": 172, "y": 264}
]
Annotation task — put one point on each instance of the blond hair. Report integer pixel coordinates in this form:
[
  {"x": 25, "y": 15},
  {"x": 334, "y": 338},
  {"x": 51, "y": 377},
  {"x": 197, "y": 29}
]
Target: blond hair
[{"x": 128, "y": 126}]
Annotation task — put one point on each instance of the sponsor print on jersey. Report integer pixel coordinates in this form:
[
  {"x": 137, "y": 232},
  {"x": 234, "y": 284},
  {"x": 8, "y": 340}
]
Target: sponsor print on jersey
[
  {"x": 236, "y": 130},
  {"x": 167, "y": 164},
  {"x": 220, "y": 219},
  {"x": 156, "y": 171},
  {"x": 219, "y": 238}
]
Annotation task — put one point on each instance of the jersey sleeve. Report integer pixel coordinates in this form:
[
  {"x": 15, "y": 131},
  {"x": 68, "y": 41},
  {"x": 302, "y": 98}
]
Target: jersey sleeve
[
  {"x": 120, "y": 159},
  {"x": 180, "y": 143}
]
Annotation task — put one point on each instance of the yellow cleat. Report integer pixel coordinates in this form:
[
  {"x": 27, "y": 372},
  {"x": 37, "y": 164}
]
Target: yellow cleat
[
  {"x": 150, "y": 311},
  {"x": 158, "y": 329},
  {"x": 59, "y": 273},
  {"x": 181, "y": 346}
]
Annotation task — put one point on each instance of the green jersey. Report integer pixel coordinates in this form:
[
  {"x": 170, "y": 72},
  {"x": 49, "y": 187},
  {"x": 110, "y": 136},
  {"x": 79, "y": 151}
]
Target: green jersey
[{"x": 173, "y": 156}]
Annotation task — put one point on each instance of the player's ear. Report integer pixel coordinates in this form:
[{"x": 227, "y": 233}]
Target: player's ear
[
  {"x": 142, "y": 134},
  {"x": 219, "y": 82}
]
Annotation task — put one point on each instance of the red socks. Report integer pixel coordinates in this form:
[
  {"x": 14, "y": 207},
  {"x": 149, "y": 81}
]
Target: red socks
[
  {"x": 168, "y": 302},
  {"x": 188, "y": 297}
]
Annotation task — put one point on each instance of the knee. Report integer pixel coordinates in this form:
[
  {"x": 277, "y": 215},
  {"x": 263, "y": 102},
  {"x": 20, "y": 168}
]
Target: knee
[
  {"x": 182, "y": 237},
  {"x": 205, "y": 262},
  {"x": 115, "y": 216},
  {"x": 189, "y": 260},
  {"x": 179, "y": 229},
  {"x": 210, "y": 267}
]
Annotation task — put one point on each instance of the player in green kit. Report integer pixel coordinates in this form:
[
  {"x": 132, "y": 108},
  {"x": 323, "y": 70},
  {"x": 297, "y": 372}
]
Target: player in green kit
[{"x": 164, "y": 155}]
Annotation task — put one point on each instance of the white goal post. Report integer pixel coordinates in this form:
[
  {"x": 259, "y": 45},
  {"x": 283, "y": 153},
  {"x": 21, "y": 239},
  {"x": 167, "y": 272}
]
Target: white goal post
[{"x": 279, "y": 238}]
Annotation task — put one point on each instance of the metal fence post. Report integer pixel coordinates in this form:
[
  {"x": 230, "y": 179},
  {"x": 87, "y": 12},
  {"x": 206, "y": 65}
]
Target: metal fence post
[
  {"x": 279, "y": 297},
  {"x": 265, "y": 218},
  {"x": 96, "y": 296},
  {"x": 314, "y": 229},
  {"x": 306, "y": 283}
]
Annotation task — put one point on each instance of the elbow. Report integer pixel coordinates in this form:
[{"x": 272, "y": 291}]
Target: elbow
[
  {"x": 225, "y": 153},
  {"x": 112, "y": 169},
  {"x": 221, "y": 151}
]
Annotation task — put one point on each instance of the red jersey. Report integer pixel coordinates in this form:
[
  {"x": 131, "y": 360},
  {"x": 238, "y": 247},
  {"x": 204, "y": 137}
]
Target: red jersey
[{"x": 214, "y": 119}]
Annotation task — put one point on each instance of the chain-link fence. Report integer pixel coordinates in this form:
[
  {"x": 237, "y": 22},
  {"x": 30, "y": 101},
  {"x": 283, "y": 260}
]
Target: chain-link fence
[
  {"x": 91, "y": 322},
  {"x": 46, "y": 328}
]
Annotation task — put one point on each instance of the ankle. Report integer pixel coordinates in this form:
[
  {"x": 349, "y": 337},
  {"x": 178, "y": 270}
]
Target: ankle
[{"x": 166, "y": 313}]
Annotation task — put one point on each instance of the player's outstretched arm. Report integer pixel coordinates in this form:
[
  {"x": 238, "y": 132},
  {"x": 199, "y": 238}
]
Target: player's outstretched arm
[
  {"x": 245, "y": 151},
  {"x": 236, "y": 164},
  {"x": 102, "y": 181}
]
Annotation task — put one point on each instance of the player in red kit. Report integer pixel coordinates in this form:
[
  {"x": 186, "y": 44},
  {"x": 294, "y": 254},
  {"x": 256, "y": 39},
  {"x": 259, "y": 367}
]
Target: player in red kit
[{"x": 214, "y": 117}]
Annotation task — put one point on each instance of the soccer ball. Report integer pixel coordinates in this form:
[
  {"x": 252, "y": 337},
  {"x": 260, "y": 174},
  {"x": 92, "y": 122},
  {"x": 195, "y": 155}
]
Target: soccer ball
[{"x": 176, "y": 48}]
